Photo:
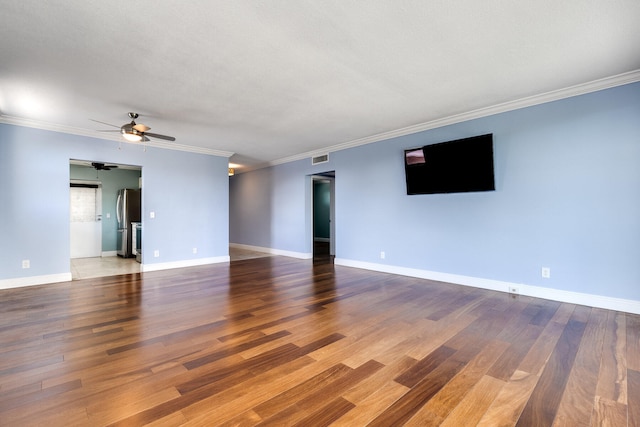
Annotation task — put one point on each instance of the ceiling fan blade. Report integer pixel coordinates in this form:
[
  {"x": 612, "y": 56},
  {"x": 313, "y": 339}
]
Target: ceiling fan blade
[
  {"x": 141, "y": 128},
  {"x": 104, "y": 123},
  {"x": 155, "y": 135},
  {"x": 103, "y": 130}
]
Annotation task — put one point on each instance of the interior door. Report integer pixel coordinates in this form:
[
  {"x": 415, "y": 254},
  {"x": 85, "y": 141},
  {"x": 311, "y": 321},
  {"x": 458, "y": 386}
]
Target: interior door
[{"x": 86, "y": 220}]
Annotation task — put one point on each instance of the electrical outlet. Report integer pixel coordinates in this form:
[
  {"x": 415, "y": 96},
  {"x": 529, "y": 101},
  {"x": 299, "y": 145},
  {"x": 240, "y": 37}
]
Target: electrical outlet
[
  {"x": 382, "y": 255},
  {"x": 195, "y": 250},
  {"x": 546, "y": 272},
  {"x": 26, "y": 263},
  {"x": 156, "y": 253}
]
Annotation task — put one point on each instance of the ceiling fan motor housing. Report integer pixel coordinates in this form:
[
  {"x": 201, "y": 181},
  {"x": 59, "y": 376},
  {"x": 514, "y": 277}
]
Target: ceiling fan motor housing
[{"x": 130, "y": 129}]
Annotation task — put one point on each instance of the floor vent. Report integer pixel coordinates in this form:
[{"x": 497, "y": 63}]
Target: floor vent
[{"x": 320, "y": 159}]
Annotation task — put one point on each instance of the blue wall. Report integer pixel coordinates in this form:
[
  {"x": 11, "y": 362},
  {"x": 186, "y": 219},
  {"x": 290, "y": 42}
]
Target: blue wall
[
  {"x": 188, "y": 192},
  {"x": 567, "y": 197}
]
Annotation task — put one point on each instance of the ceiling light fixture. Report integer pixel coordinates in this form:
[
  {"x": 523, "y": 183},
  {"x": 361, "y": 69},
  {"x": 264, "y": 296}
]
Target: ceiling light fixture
[{"x": 132, "y": 137}]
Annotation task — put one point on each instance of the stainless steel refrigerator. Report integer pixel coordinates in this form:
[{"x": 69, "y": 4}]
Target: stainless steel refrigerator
[{"x": 127, "y": 211}]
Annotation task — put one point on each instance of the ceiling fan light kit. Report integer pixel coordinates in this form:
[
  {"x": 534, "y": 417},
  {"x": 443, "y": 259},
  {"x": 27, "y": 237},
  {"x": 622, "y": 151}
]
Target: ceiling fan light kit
[
  {"x": 137, "y": 132},
  {"x": 132, "y": 136}
]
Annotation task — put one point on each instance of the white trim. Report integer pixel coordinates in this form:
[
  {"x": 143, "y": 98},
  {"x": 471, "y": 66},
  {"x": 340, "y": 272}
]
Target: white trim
[
  {"x": 109, "y": 254},
  {"x": 35, "y": 280},
  {"x": 580, "y": 89},
  {"x": 555, "y": 95},
  {"x": 609, "y": 303},
  {"x": 183, "y": 264},
  {"x": 19, "y": 121},
  {"x": 299, "y": 255}
]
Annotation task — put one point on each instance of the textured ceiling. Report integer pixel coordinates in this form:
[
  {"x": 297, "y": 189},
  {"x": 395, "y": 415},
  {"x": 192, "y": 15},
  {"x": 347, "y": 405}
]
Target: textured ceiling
[{"x": 269, "y": 80}]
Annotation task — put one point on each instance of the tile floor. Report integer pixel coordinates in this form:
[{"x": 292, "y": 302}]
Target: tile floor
[{"x": 84, "y": 268}]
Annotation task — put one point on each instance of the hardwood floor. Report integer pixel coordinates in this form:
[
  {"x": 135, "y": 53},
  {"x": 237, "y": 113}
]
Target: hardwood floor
[{"x": 279, "y": 341}]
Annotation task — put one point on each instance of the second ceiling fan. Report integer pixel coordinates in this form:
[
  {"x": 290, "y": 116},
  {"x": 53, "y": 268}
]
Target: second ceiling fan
[{"x": 136, "y": 132}]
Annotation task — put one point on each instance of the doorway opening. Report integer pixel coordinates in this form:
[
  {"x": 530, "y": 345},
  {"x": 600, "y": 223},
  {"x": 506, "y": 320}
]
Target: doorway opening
[
  {"x": 323, "y": 216},
  {"x": 93, "y": 218}
]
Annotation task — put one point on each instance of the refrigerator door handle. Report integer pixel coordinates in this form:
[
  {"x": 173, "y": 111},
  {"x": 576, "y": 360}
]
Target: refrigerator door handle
[{"x": 118, "y": 203}]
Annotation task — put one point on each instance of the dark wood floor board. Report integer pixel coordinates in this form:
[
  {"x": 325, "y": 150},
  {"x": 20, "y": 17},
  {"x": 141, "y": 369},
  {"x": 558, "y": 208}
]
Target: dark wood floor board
[
  {"x": 612, "y": 376},
  {"x": 632, "y": 322},
  {"x": 27, "y": 379},
  {"x": 326, "y": 415},
  {"x": 282, "y": 341},
  {"x": 443, "y": 402},
  {"x": 505, "y": 409},
  {"x": 260, "y": 324},
  {"x": 57, "y": 416},
  {"x": 442, "y": 308},
  {"x": 422, "y": 368},
  {"x": 474, "y": 404},
  {"x": 356, "y": 336},
  {"x": 384, "y": 376},
  {"x": 609, "y": 413},
  {"x": 285, "y": 399},
  {"x": 542, "y": 406},
  {"x": 236, "y": 349},
  {"x": 487, "y": 326},
  {"x": 369, "y": 408},
  {"x": 519, "y": 322},
  {"x": 39, "y": 395},
  {"x": 420, "y": 331},
  {"x": 509, "y": 361},
  {"x": 377, "y": 344},
  {"x": 322, "y": 396},
  {"x": 243, "y": 396},
  {"x": 414, "y": 399},
  {"x": 633, "y": 403},
  {"x": 547, "y": 311},
  {"x": 539, "y": 353},
  {"x": 576, "y": 406},
  {"x": 109, "y": 371},
  {"x": 445, "y": 331},
  {"x": 111, "y": 411}
]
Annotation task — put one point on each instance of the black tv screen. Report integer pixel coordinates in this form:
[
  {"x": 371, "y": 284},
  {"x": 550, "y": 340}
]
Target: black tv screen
[{"x": 459, "y": 166}]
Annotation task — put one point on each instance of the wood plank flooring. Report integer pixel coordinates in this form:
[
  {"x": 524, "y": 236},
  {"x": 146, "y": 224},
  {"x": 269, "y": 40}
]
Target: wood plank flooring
[{"x": 277, "y": 341}]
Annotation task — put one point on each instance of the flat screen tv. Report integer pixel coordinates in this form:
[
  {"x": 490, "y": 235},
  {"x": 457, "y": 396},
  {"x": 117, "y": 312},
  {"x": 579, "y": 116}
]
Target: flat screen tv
[{"x": 459, "y": 166}]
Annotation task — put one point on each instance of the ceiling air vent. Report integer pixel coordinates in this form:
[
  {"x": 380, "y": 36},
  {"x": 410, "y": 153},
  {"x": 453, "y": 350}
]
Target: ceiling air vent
[{"x": 320, "y": 159}]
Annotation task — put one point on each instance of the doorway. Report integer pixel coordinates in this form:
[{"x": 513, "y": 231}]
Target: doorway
[
  {"x": 323, "y": 215},
  {"x": 102, "y": 180}
]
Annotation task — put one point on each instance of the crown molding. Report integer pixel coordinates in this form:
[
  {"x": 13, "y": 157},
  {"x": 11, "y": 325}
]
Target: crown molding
[
  {"x": 19, "y": 121},
  {"x": 556, "y": 95}
]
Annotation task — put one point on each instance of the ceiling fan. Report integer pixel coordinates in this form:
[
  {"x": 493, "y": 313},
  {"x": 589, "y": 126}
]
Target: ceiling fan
[
  {"x": 103, "y": 167},
  {"x": 135, "y": 132}
]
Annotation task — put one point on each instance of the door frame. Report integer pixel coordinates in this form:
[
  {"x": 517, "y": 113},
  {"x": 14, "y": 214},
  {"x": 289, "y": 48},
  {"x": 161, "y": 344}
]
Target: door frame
[{"x": 332, "y": 210}]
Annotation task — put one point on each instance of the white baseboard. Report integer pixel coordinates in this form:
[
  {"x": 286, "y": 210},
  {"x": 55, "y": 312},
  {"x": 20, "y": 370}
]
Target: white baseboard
[
  {"x": 299, "y": 255},
  {"x": 185, "y": 263},
  {"x": 109, "y": 253},
  {"x": 35, "y": 280},
  {"x": 599, "y": 301}
]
